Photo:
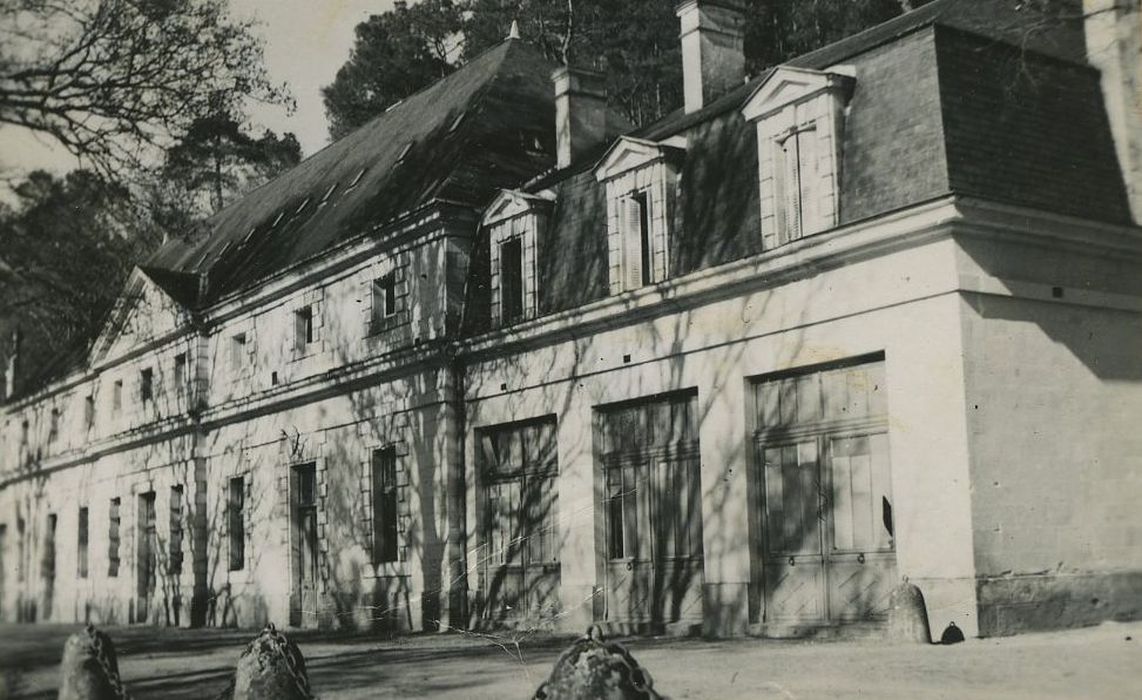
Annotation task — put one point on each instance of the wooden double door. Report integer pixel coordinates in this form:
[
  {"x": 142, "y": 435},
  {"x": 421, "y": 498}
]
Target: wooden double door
[{"x": 828, "y": 532}]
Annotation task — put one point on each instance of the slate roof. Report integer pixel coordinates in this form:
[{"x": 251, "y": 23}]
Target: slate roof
[
  {"x": 485, "y": 126},
  {"x": 971, "y": 97}
]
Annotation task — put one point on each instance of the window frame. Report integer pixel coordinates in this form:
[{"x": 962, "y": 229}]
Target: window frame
[
  {"x": 83, "y": 542},
  {"x": 385, "y": 486},
  {"x": 236, "y": 523}
]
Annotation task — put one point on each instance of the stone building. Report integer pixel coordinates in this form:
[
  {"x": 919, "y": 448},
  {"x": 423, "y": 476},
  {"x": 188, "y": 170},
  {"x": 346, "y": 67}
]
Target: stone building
[{"x": 500, "y": 358}]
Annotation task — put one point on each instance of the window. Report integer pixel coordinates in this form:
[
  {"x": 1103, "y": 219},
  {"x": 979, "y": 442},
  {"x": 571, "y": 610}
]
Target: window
[
  {"x": 238, "y": 351},
  {"x": 384, "y": 298},
  {"x": 799, "y": 116},
  {"x": 518, "y": 467},
  {"x": 641, "y": 180},
  {"x": 146, "y": 385},
  {"x": 89, "y": 411},
  {"x": 515, "y": 221},
  {"x": 303, "y": 328},
  {"x": 384, "y": 505},
  {"x": 303, "y": 498},
  {"x": 53, "y": 431},
  {"x": 235, "y": 518},
  {"x": 511, "y": 279},
  {"x": 24, "y": 430},
  {"x": 638, "y": 267},
  {"x": 180, "y": 373},
  {"x": 117, "y": 395},
  {"x": 176, "y": 508},
  {"x": 21, "y": 542},
  {"x": 82, "y": 545},
  {"x": 113, "y": 522}
]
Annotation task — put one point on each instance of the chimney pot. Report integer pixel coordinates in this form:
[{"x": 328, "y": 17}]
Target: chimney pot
[
  {"x": 580, "y": 112},
  {"x": 713, "y": 49}
]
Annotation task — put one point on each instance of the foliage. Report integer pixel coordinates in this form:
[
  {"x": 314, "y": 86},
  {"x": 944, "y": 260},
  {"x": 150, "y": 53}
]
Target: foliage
[
  {"x": 395, "y": 54},
  {"x": 66, "y": 248},
  {"x": 110, "y": 80},
  {"x": 398, "y": 52},
  {"x": 216, "y": 159}
]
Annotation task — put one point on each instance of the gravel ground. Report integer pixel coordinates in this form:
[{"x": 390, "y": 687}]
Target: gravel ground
[{"x": 1099, "y": 662}]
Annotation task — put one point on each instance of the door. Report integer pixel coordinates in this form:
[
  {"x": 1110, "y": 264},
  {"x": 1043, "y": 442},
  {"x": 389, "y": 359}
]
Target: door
[
  {"x": 147, "y": 552},
  {"x": 861, "y": 559},
  {"x": 826, "y": 527},
  {"x": 654, "y": 548},
  {"x": 652, "y": 564},
  {"x": 794, "y": 562},
  {"x": 304, "y": 599},
  {"x": 521, "y": 521}
]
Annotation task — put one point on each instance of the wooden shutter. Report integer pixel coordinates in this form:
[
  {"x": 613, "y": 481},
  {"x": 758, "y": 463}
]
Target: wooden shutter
[
  {"x": 807, "y": 181},
  {"x": 790, "y": 219},
  {"x": 632, "y": 217}
]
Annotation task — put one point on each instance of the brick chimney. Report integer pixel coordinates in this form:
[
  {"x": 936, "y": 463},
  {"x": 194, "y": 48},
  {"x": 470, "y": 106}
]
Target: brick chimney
[
  {"x": 1113, "y": 31},
  {"x": 580, "y": 112},
  {"x": 713, "y": 53}
]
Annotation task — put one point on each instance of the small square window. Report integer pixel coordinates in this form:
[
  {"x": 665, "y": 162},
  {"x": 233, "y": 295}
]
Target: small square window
[
  {"x": 384, "y": 297},
  {"x": 180, "y": 373},
  {"x": 303, "y": 328},
  {"x": 238, "y": 351},
  {"x": 147, "y": 385}
]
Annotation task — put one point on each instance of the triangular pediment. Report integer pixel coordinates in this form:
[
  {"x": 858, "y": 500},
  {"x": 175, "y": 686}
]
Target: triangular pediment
[
  {"x": 788, "y": 85},
  {"x": 509, "y": 203},
  {"x": 627, "y": 153},
  {"x": 142, "y": 313}
]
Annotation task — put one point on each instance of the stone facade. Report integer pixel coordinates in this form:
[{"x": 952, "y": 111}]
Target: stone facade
[{"x": 762, "y": 437}]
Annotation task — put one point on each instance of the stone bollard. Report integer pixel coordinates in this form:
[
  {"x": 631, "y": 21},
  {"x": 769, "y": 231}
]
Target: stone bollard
[
  {"x": 907, "y": 615},
  {"x": 270, "y": 668},
  {"x": 89, "y": 669},
  {"x": 591, "y": 668}
]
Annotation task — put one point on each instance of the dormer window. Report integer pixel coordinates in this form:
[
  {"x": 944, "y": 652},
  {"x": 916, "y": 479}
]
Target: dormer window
[
  {"x": 640, "y": 178},
  {"x": 799, "y": 115},
  {"x": 514, "y": 221}
]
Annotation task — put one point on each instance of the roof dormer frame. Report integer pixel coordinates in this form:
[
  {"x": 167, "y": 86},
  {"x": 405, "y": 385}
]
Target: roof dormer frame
[
  {"x": 789, "y": 85},
  {"x": 630, "y": 153},
  {"x": 510, "y": 203}
]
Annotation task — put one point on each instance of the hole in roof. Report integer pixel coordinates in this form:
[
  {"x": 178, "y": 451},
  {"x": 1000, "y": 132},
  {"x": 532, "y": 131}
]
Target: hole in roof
[
  {"x": 357, "y": 178},
  {"x": 394, "y": 105},
  {"x": 278, "y": 219},
  {"x": 302, "y": 207},
  {"x": 328, "y": 193},
  {"x": 456, "y": 122},
  {"x": 249, "y": 235},
  {"x": 404, "y": 151},
  {"x": 202, "y": 259}
]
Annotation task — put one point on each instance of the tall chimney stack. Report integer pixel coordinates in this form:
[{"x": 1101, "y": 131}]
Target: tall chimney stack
[
  {"x": 580, "y": 112},
  {"x": 713, "y": 49},
  {"x": 1113, "y": 30}
]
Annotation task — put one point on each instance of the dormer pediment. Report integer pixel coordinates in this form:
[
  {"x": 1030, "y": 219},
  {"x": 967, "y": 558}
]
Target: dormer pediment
[
  {"x": 509, "y": 203},
  {"x": 789, "y": 85},
  {"x": 629, "y": 153}
]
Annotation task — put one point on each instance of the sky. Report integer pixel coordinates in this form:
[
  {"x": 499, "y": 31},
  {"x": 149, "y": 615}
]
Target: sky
[{"x": 306, "y": 42}]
